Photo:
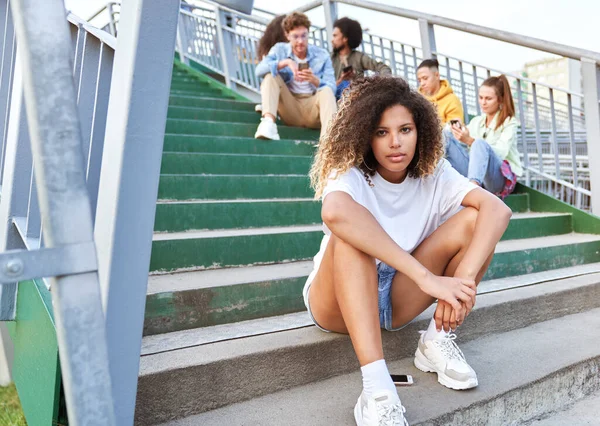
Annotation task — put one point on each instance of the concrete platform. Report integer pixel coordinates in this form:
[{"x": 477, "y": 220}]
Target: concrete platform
[
  {"x": 522, "y": 374},
  {"x": 182, "y": 382}
]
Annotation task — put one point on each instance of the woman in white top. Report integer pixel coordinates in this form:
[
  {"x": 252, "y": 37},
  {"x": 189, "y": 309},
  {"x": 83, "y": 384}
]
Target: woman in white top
[
  {"x": 488, "y": 155},
  {"x": 396, "y": 238}
]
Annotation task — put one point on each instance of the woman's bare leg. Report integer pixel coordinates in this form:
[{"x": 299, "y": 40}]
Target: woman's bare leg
[
  {"x": 440, "y": 253},
  {"x": 343, "y": 297}
]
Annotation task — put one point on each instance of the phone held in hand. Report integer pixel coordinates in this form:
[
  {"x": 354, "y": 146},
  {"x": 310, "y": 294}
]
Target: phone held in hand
[
  {"x": 402, "y": 379},
  {"x": 347, "y": 69},
  {"x": 455, "y": 122},
  {"x": 302, "y": 66}
]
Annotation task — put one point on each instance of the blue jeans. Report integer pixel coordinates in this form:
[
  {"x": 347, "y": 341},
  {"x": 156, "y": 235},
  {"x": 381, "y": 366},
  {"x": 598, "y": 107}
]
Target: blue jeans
[{"x": 479, "y": 164}]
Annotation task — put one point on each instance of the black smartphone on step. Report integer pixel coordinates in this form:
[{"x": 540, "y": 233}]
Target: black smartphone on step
[{"x": 402, "y": 379}]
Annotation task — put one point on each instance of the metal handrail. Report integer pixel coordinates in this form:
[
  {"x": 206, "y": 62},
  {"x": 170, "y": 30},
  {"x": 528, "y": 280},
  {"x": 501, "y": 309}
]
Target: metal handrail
[{"x": 466, "y": 27}]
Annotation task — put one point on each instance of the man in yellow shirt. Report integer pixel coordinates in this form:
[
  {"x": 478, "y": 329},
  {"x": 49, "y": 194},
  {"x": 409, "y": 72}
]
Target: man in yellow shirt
[{"x": 439, "y": 92}]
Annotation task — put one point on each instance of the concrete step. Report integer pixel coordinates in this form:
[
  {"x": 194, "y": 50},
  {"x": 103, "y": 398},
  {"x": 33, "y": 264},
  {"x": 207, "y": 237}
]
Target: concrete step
[
  {"x": 249, "y": 299},
  {"x": 227, "y": 214},
  {"x": 240, "y": 247},
  {"x": 208, "y": 102},
  {"x": 523, "y": 374},
  {"x": 213, "y": 114},
  {"x": 583, "y": 412},
  {"x": 242, "y": 164},
  {"x": 236, "y": 145},
  {"x": 176, "y": 383},
  {"x": 205, "y": 127}
]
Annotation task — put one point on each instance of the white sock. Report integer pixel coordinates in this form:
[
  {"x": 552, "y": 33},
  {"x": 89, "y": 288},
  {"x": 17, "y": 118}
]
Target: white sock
[
  {"x": 376, "y": 377},
  {"x": 268, "y": 118},
  {"x": 432, "y": 333}
]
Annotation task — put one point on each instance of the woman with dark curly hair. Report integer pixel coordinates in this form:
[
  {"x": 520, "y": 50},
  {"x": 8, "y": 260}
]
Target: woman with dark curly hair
[
  {"x": 273, "y": 34},
  {"x": 402, "y": 229}
]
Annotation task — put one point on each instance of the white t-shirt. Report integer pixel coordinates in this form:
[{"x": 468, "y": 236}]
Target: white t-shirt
[
  {"x": 300, "y": 87},
  {"x": 409, "y": 211}
]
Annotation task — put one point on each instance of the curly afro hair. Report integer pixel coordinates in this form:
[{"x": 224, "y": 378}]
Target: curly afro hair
[
  {"x": 347, "y": 141},
  {"x": 352, "y": 30}
]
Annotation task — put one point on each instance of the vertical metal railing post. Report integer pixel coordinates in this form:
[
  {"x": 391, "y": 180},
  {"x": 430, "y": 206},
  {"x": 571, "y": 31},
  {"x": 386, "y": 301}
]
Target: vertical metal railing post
[
  {"x": 60, "y": 176},
  {"x": 135, "y": 128},
  {"x": 523, "y": 132},
  {"x": 7, "y": 63},
  {"x": 554, "y": 134},
  {"x": 591, "y": 90},
  {"x": 330, "y": 9},
  {"x": 226, "y": 48},
  {"x": 427, "y": 39},
  {"x": 538, "y": 136},
  {"x": 182, "y": 40},
  {"x": 111, "y": 19}
]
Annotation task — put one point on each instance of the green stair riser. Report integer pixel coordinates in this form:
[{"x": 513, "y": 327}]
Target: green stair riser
[
  {"x": 188, "y": 83},
  {"x": 273, "y": 248},
  {"x": 173, "y": 311},
  {"x": 533, "y": 227},
  {"x": 518, "y": 203},
  {"x": 232, "y": 145},
  {"x": 198, "y": 92},
  {"x": 233, "y": 251},
  {"x": 213, "y": 115},
  {"x": 206, "y": 102},
  {"x": 176, "y": 163},
  {"x": 543, "y": 259},
  {"x": 216, "y": 187},
  {"x": 197, "y": 127},
  {"x": 176, "y": 217}
]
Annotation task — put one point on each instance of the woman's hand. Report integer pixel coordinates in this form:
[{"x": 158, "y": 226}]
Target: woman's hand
[
  {"x": 453, "y": 291},
  {"x": 461, "y": 132}
]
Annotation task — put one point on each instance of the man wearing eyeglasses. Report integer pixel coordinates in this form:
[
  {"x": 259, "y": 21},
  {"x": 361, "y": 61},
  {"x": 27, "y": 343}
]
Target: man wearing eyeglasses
[{"x": 298, "y": 82}]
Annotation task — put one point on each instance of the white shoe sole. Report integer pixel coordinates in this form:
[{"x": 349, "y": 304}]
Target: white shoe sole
[
  {"x": 264, "y": 137},
  {"x": 357, "y": 413},
  {"x": 423, "y": 364}
]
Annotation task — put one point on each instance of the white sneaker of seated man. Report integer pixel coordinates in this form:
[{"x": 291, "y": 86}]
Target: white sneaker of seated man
[
  {"x": 267, "y": 129},
  {"x": 441, "y": 355},
  {"x": 381, "y": 409}
]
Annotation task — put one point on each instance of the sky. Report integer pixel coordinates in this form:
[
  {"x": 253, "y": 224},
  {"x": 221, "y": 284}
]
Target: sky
[{"x": 573, "y": 22}]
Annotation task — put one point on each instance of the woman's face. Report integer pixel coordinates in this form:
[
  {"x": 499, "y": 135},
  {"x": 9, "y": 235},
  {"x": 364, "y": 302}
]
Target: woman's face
[
  {"x": 488, "y": 100},
  {"x": 394, "y": 143}
]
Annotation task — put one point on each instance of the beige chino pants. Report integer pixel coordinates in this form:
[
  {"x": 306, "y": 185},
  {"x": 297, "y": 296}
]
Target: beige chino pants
[{"x": 299, "y": 110}]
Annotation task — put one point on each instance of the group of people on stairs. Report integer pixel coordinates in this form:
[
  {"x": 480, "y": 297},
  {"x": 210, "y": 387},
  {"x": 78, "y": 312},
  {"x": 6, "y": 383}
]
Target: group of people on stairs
[{"x": 411, "y": 197}]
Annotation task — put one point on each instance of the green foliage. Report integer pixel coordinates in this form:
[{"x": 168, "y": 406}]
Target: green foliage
[{"x": 10, "y": 407}]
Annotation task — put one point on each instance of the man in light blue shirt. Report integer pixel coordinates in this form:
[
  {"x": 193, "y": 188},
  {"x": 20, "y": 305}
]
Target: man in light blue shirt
[{"x": 298, "y": 82}]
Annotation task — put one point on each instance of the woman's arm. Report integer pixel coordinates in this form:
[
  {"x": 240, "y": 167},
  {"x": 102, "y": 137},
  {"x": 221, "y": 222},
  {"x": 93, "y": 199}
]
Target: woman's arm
[{"x": 355, "y": 225}]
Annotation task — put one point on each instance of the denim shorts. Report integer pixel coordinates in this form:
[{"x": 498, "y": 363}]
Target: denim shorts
[{"x": 385, "y": 275}]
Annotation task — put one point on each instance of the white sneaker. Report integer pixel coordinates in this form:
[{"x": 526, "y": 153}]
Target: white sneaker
[
  {"x": 381, "y": 409},
  {"x": 266, "y": 130},
  {"x": 442, "y": 356},
  {"x": 258, "y": 108}
]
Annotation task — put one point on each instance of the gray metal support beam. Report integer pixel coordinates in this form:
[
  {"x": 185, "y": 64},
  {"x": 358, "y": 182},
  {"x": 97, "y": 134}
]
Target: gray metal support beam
[
  {"x": 45, "y": 52},
  {"x": 135, "y": 127},
  {"x": 427, "y": 39},
  {"x": 330, "y": 9},
  {"x": 590, "y": 73}
]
